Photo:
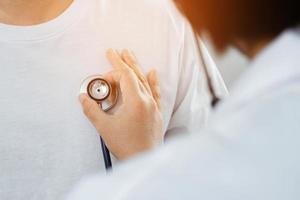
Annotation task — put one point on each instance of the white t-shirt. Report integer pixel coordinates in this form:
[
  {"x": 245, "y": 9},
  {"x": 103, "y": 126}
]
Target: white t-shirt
[{"x": 46, "y": 141}]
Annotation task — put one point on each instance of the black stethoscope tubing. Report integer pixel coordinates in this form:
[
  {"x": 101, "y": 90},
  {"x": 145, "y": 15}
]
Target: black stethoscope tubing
[
  {"x": 215, "y": 99},
  {"x": 106, "y": 155}
]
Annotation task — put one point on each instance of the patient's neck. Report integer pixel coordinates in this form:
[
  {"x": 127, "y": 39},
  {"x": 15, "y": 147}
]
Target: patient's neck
[{"x": 31, "y": 12}]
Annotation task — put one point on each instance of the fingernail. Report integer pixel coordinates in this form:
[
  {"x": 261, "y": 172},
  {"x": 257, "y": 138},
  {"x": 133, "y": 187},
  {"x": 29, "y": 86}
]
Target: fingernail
[
  {"x": 81, "y": 98},
  {"x": 126, "y": 52},
  {"x": 109, "y": 51},
  {"x": 155, "y": 74},
  {"x": 132, "y": 55},
  {"x": 112, "y": 51}
]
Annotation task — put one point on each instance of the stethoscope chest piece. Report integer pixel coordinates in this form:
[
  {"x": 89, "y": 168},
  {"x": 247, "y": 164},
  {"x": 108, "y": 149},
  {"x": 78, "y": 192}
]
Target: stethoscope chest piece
[
  {"x": 100, "y": 90},
  {"x": 106, "y": 95}
]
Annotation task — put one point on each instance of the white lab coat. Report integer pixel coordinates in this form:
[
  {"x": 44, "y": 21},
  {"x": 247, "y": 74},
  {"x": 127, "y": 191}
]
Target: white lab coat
[{"x": 250, "y": 150}]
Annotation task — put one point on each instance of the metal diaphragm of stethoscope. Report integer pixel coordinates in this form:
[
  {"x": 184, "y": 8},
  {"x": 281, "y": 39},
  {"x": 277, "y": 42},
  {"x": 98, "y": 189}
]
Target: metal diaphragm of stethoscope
[{"x": 106, "y": 96}]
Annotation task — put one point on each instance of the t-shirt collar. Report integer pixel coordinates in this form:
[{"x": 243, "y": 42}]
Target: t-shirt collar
[{"x": 14, "y": 33}]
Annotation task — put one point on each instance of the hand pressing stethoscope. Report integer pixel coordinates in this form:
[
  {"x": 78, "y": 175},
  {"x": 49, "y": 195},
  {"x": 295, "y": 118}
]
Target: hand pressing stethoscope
[
  {"x": 102, "y": 94},
  {"x": 136, "y": 125}
]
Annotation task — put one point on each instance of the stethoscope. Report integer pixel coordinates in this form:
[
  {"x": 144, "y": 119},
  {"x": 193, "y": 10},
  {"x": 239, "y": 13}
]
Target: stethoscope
[
  {"x": 106, "y": 95},
  {"x": 214, "y": 97}
]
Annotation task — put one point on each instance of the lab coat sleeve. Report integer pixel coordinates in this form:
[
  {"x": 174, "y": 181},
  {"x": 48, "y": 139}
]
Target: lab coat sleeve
[
  {"x": 192, "y": 106},
  {"x": 254, "y": 157}
]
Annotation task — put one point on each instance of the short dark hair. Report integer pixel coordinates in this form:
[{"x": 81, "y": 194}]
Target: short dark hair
[{"x": 247, "y": 19}]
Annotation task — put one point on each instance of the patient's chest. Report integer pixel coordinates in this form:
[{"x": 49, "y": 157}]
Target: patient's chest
[
  {"x": 43, "y": 130},
  {"x": 45, "y": 138},
  {"x": 46, "y": 142}
]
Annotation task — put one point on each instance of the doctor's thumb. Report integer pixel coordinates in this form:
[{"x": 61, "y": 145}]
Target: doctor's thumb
[{"x": 92, "y": 111}]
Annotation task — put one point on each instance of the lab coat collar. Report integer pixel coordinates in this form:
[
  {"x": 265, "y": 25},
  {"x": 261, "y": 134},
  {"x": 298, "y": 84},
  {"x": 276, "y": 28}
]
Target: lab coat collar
[{"x": 275, "y": 66}]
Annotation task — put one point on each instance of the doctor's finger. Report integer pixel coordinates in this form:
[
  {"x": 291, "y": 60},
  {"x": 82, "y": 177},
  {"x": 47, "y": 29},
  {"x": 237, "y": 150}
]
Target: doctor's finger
[
  {"x": 93, "y": 111},
  {"x": 155, "y": 88},
  {"x": 131, "y": 61},
  {"x": 127, "y": 81},
  {"x": 116, "y": 60}
]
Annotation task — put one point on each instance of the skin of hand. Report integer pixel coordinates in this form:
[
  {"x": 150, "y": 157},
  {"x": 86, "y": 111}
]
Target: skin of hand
[{"x": 137, "y": 125}]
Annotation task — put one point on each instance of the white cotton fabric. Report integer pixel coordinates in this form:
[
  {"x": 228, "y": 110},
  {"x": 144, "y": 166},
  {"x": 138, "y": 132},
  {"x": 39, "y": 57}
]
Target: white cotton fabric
[{"x": 46, "y": 142}]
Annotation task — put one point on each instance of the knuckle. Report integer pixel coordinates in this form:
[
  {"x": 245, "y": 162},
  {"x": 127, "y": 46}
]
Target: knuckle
[
  {"x": 84, "y": 104},
  {"x": 141, "y": 105},
  {"x": 146, "y": 106},
  {"x": 152, "y": 106}
]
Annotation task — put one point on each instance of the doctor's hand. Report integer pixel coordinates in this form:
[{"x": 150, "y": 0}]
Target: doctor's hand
[{"x": 136, "y": 126}]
